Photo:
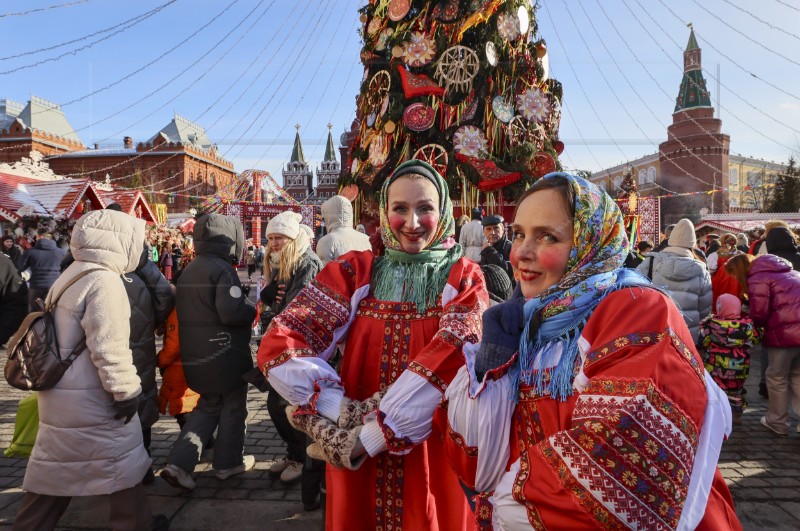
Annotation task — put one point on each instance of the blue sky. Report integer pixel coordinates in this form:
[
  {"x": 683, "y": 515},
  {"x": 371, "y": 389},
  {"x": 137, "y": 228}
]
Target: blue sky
[{"x": 249, "y": 70}]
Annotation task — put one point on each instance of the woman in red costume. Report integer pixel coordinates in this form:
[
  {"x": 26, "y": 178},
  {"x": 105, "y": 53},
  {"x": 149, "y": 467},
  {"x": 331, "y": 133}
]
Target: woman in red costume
[
  {"x": 420, "y": 301},
  {"x": 586, "y": 405}
]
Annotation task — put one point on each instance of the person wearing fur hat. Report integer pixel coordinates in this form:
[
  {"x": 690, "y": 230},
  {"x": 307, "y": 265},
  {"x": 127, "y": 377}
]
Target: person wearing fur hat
[
  {"x": 291, "y": 266},
  {"x": 678, "y": 270},
  {"x": 496, "y": 247}
]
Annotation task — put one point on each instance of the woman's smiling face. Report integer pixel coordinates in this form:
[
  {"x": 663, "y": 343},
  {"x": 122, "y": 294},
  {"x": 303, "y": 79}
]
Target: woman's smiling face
[
  {"x": 413, "y": 212},
  {"x": 542, "y": 241}
]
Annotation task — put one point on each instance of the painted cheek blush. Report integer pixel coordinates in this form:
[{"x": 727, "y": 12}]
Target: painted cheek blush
[
  {"x": 396, "y": 222},
  {"x": 429, "y": 222},
  {"x": 513, "y": 257},
  {"x": 550, "y": 258}
]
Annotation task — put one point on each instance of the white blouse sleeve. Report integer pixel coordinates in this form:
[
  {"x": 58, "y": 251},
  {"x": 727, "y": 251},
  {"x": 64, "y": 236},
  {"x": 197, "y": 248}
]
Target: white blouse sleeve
[
  {"x": 405, "y": 416},
  {"x": 480, "y": 413}
]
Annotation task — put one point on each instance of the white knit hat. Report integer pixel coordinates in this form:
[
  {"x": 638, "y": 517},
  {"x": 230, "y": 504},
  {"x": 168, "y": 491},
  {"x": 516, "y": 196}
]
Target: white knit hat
[
  {"x": 286, "y": 223},
  {"x": 683, "y": 235}
]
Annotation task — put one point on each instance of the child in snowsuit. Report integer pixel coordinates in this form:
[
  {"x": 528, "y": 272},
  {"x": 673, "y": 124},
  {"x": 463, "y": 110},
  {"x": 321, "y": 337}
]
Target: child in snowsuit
[{"x": 726, "y": 337}]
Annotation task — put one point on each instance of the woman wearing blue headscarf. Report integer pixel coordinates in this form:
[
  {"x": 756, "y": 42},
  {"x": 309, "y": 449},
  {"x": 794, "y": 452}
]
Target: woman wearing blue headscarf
[{"x": 586, "y": 405}]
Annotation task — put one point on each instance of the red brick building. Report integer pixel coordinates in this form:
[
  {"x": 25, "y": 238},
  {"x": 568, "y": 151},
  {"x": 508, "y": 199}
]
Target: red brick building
[
  {"x": 179, "y": 159},
  {"x": 38, "y": 126}
]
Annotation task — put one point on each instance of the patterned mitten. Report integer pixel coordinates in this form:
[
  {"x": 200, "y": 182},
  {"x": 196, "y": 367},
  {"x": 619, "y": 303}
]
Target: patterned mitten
[
  {"x": 351, "y": 413},
  {"x": 502, "y": 328},
  {"x": 331, "y": 443}
]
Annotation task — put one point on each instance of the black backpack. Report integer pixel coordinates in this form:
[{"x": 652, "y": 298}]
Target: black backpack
[{"x": 34, "y": 360}]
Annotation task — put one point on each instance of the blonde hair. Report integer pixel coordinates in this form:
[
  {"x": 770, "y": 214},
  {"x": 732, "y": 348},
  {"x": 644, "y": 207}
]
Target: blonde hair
[
  {"x": 739, "y": 267},
  {"x": 289, "y": 259}
]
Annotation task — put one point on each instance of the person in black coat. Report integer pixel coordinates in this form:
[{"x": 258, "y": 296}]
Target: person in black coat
[
  {"x": 152, "y": 299},
  {"x": 44, "y": 260},
  {"x": 214, "y": 326},
  {"x": 780, "y": 242},
  {"x": 11, "y": 250},
  {"x": 13, "y": 299},
  {"x": 496, "y": 249}
]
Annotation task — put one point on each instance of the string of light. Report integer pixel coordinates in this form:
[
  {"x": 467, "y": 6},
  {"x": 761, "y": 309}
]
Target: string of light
[
  {"x": 734, "y": 115},
  {"x": 766, "y": 23},
  {"x": 583, "y": 90},
  {"x": 204, "y": 73},
  {"x": 154, "y": 61},
  {"x": 127, "y": 26},
  {"x": 746, "y": 36},
  {"x": 73, "y": 41},
  {"x": 289, "y": 18},
  {"x": 307, "y": 87},
  {"x": 276, "y": 53},
  {"x": 625, "y": 107},
  {"x": 40, "y": 9},
  {"x": 305, "y": 46},
  {"x": 733, "y": 61}
]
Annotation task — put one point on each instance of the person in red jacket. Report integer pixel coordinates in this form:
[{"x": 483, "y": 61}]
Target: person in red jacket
[
  {"x": 174, "y": 395},
  {"x": 773, "y": 288}
]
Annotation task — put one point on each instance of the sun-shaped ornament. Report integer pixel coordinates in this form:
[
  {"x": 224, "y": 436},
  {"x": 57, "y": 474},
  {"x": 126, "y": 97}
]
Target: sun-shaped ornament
[
  {"x": 534, "y": 105},
  {"x": 470, "y": 141},
  {"x": 419, "y": 49},
  {"x": 456, "y": 69}
]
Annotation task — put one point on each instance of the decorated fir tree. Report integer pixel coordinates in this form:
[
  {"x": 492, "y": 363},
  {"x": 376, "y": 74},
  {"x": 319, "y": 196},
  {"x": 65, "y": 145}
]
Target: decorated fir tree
[{"x": 462, "y": 84}]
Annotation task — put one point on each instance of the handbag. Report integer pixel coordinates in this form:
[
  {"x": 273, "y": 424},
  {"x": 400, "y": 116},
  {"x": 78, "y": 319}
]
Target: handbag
[
  {"x": 26, "y": 426},
  {"x": 34, "y": 358}
]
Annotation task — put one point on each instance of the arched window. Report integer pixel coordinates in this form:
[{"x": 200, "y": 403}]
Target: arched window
[
  {"x": 617, "y": 182},
  {"x": 651, "y": 174},
  {"x": 642, "y": 176}
]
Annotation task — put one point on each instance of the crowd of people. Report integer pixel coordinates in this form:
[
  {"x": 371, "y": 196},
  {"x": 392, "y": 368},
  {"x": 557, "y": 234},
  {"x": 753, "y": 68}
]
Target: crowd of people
[{"x": 443, "y": 374}]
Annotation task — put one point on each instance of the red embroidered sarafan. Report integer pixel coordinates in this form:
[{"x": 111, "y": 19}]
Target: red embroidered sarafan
[{"x": 418, "y": 490}]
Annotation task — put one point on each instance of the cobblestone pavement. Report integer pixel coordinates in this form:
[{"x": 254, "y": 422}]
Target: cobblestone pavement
[{"x": 762, "y": 469}]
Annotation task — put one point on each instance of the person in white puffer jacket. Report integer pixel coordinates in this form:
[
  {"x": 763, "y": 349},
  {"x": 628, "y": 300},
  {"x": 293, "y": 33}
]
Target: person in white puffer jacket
[
  {"x": 90, "y": 438},
  {"x": 678, "y": 270},
  {"x": 341, "y": 237}
]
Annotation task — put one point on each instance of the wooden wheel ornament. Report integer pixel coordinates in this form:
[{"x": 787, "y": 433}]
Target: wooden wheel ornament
[
  {"x": 457, "y": 68},
  {"x": 379, "y": 87},
  {"x": 435, "y": 155}
]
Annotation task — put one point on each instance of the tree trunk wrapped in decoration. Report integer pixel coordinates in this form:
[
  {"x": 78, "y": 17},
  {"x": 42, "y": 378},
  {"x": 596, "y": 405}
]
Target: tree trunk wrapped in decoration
[{"x": 461, "y": 84}]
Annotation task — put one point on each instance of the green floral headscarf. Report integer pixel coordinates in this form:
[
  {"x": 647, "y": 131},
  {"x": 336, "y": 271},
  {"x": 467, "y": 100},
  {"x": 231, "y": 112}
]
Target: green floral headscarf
[{"x": 419, "y": 278}]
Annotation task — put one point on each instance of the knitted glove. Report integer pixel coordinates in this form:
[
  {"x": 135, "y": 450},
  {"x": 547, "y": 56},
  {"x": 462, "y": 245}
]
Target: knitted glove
[
  {"x": 351, "y": 413},
  {"x": 502, "y": 329},
  {"x": 126, "y": 409},
  {"x": 331, "y": 444}
]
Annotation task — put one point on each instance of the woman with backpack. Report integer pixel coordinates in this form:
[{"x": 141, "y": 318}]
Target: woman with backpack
[{"x": 90, "y": 438}]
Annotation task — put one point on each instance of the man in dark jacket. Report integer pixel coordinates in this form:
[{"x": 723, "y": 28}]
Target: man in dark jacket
[
  {"x": 214, "y": 326},
  {"x": 44, "y": 261},
  {"x": 781, "y": 242},
  {"x": 151, "y": 298},
  {"x": 13, "y": 299},
  {"x": 496, "y": 249}
]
